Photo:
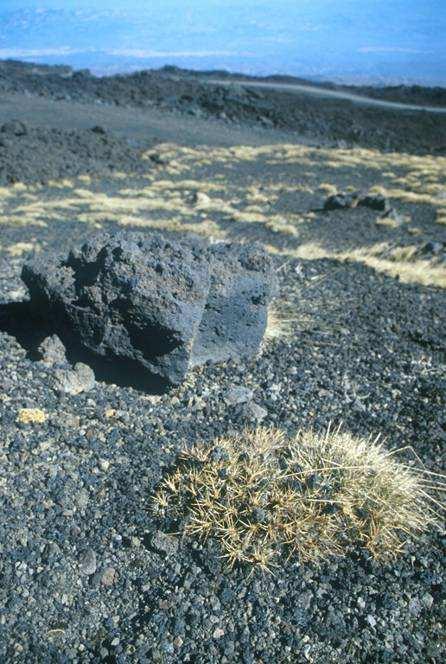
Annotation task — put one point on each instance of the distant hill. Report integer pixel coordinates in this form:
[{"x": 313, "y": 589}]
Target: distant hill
[{"x": 380, "y": 42}]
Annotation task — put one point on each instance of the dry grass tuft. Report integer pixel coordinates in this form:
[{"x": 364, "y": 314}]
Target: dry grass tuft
[
  {"x": 19, "y": 248},
  {"x": 261, "y": 495},
  {"x": 400, "y": 262},
  {"x": 280, "y": 321}
]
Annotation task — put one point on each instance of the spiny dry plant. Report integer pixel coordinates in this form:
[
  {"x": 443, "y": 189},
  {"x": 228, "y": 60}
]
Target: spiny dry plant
[{"x": 263, "y": 496}]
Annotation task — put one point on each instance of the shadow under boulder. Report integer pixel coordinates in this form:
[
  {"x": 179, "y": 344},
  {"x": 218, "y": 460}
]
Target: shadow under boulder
[
  {"x": 141, "y": 310},
  {"x": 20, "y": 320},
  {"x": 33, "y": 333}
]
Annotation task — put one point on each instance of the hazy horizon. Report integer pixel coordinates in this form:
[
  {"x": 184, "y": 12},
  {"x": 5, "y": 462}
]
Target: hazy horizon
[{"x": 393, "y": 41}]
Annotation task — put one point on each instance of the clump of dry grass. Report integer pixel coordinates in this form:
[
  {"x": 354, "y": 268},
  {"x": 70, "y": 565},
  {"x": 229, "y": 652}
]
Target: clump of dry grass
[
  {"x": 261, "y": 495},
  {"x": 280, "y": 321},
  {"x": 19, "y": 248}
]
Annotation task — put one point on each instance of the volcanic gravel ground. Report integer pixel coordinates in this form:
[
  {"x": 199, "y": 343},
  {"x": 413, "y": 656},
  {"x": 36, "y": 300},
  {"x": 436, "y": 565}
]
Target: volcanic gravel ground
[
  {"x": 35, "y": 154},
  {"x": 87, "y": 573}
]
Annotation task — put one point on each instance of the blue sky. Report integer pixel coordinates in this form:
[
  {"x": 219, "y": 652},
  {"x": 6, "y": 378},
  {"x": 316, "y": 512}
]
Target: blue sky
[{"x": 377, "y": 40}]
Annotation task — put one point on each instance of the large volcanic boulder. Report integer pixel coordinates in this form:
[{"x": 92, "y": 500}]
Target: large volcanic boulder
[
  {"x": 147, "y": 306},
  {"x": 129, "y": 298}
]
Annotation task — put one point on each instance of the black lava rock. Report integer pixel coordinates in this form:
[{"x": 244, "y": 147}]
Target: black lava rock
[
  {"x": 151, "y": 307},
  {"x": 345, "y": 201},
  {"x": 376, "y": 202},
  {"x": 340, "y": 201},
  {"x": 235, "y": 316},
  {"x": 134, "y": 300}
]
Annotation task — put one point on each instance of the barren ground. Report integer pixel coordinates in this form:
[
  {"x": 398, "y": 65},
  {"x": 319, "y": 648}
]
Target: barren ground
[{"x": 86, "y": 573}]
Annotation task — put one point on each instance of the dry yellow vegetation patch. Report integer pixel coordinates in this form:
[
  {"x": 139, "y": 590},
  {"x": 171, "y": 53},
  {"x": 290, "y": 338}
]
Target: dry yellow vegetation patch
[
  {"x": 187, "y": 201},
  {"x": 19, "y": 248},
  {"x": 31, "y": 416},
  {"x": 398, "y": 263}
]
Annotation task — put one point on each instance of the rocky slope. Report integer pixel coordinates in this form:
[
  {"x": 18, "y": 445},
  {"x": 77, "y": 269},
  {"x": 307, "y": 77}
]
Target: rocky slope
[{"x": 179, "y": 91}]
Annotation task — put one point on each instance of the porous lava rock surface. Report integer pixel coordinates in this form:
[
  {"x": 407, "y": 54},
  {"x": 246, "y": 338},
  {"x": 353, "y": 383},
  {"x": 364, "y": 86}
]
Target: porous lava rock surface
[
  {"x": 235, "y": 315},
  {"x": 150, "y": 306}
]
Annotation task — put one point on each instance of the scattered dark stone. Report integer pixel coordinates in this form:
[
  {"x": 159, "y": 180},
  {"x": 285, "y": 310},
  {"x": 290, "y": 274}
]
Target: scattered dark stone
[
  {"x": 58, "y": 497},
  {"x": 76, "y": 381},
  {"x": 346, "y": 201},
  {"x": 165, "y": 544},
  {"x": 156, "y": 158},
  {"x": 88, "y": 562},
  {"x": 376, "y": 202},
  {"x": 341, "y": 201},
  {"x": 186, "y": 92},
  {"x": 427, "y": 600},
  {"x": 255, "y": 412},
  {"x": 52, "y": 351},
  {"x": 238, "y": 394},
  {"x": 91, "y": 484},
  {"x": 434, "y": 248},
  {"x": 14, "y": 128},
  {"x": 97, "y": 129},
  {"x": 259, "y": 515},
  {"x": 219, "y": 454},
  {"x": 108, "y": 577}
]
